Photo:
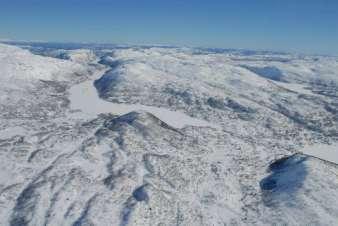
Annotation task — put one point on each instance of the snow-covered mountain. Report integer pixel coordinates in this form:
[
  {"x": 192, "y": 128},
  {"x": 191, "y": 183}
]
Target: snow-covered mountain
[{"x": 167, "y": 136}]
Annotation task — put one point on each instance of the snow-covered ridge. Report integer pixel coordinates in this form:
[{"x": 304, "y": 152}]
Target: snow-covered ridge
[
  {"x": 20, "y": 64},
  {"x": 82, "y": 56},
  {"x": 62, "y": 162}
]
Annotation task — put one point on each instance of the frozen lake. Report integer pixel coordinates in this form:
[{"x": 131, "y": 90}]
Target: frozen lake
[
  {"x": 323, "y": 151},
  {"x": 84, "y": 97}
]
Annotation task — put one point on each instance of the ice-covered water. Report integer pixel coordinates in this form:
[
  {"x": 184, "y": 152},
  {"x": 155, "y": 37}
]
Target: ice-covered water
[
  {"x": 84, "y": 97},
  {"x": 323, "y": 151}
]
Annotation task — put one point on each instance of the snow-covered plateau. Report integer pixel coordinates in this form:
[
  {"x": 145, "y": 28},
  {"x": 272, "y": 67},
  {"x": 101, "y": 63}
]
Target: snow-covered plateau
[{"x": 128, "y": 135}]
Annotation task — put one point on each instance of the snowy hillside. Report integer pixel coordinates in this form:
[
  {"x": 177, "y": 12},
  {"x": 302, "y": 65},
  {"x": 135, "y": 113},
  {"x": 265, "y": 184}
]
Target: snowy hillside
[
  {"x": 21, "y": 64},
  {"x": 167, "y": 136}
]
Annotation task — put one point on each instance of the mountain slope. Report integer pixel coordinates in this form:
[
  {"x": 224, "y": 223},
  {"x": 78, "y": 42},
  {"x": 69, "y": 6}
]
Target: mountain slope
[{"x": 60, "y": 167}]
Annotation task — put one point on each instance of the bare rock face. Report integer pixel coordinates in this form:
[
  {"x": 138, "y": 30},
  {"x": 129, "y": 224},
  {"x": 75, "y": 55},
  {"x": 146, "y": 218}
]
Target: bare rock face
[{"x": 61, "y": 167}]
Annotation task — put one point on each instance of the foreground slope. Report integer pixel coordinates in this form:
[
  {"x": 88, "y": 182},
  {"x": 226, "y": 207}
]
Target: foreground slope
[{"x": 65, "y": 168}]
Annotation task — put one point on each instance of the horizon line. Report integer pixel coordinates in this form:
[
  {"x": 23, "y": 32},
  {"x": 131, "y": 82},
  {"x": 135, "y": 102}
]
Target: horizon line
[{"x": 167, "y": 45}]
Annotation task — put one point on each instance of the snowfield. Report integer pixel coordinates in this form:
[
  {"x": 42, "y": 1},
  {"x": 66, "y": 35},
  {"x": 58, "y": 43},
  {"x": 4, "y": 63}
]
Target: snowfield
[{"x": 167, "y": 136}]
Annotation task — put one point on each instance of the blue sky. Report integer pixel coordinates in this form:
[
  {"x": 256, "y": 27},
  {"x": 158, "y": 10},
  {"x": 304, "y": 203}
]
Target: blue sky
[{"x": 309, "y": 26}]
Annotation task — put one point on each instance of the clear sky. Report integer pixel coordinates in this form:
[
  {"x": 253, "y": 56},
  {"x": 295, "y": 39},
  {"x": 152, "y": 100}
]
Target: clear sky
[{"x": 309, "y": 26}]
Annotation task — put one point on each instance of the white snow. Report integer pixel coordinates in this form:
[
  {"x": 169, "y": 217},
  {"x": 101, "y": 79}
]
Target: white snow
[
  {"x": 82, "y": 56},
  {"x": 84, "y": 97},
  {"x": 323, "y": 151},
  {"x": 66, "y": 172},
  {"x": 12, "y": 131},
  {"x": 298, "y": 88},
  {"x": 19, "y": 64}
]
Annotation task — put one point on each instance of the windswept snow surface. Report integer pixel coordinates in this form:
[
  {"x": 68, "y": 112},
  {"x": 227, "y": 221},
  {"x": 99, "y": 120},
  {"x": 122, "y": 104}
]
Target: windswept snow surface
[{"x": 166, "y": 136}]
